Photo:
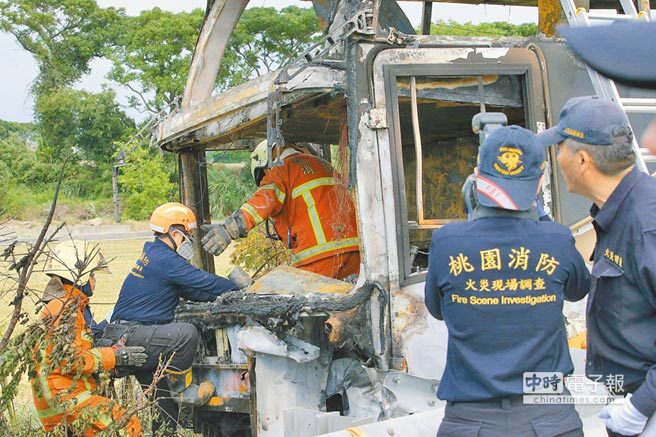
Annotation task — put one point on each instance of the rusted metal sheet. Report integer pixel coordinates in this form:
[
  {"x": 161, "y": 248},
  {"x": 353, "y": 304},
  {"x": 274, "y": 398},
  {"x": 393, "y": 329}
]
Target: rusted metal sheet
[
  {"x": 289, "y": 280},
  {"x": 230, "y": 114},
  {"x": 332, "y": 13}
]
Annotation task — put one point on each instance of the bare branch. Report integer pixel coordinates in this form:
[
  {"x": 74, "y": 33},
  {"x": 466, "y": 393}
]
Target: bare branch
[
  {"x": 143, "y": 99},
  {"x": 147, "y": 401},
  {"x": 26, "y": 264}
]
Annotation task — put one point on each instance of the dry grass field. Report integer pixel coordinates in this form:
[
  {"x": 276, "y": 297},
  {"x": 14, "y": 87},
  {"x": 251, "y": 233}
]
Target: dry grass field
[{"x": 122, "y": 255}]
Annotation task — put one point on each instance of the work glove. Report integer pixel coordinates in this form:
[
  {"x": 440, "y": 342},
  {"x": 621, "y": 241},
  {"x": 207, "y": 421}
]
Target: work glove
[
  {"x": 133, "y": 356},
  {"x": 622, "y": 417},
  {"x": 240, "y": 278},
  {"x": 215, "y": 239},
  {"x": 236, "y": 224}
]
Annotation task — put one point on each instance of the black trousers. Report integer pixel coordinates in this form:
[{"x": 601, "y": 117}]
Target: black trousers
[
  {"x": 509, "y": 417},
  {"x": 176, "y": 340}
]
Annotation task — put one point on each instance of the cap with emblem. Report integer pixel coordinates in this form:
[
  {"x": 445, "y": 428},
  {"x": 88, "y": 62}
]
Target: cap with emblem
[
  {"x": 510, "y": 163},
  {"x": 589, "y": 120}
]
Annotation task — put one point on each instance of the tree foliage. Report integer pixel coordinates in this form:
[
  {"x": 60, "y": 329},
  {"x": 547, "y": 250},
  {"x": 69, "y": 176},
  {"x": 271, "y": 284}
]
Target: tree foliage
[
  {"x": 25, "y": 131},
  {"x": 264, "y": 40},
  {"x": 493, "y": 29},
  {"x": 229, "y": 188},
  {"x": 145, "y": 183},
  {"x": 259, "y": 254},
  {"x": 152, "y": 53},
  {"x": 86, "y": 125},
  {"x": 62, "y": 35}
]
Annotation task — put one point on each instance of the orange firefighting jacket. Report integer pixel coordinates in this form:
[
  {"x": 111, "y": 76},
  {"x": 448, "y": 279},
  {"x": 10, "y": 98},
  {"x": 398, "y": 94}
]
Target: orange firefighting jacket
[
  {"x": 312, "y": 211},
  {"x": 46, "y": 401}
]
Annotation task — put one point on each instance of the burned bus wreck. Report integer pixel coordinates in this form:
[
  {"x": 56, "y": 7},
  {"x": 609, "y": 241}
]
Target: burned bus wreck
[{"x": 299, "y": 354}]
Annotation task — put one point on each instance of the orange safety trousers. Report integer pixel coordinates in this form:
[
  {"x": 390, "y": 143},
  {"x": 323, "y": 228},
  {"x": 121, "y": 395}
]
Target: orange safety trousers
[
  {"x": 62, "y": 394},
  {"x": 339, "y": 266},
  {"x": 312, "y": 211}
]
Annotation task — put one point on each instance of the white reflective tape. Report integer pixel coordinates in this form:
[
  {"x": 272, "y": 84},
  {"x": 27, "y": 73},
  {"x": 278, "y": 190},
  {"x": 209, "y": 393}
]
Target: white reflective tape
[{"x": 495, "y": 193}]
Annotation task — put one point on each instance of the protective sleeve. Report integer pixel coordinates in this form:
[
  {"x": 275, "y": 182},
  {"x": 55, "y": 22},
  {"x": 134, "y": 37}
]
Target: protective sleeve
[
  {"x": 195, "y": 284},
  {"x": 268, "y": 200},
  {"x": 91, "y": 359},
  {"x": 97, "y": 359},
  {"x": 644, "y": 399},
  {"x": 577, "y": 284},
  {"x": 432, "y": 293}
]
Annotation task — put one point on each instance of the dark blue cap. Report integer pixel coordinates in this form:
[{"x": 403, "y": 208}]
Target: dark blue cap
[
  {"x": 625, "y": 52},
  {"x": 589, "y": 120},
  {"x": 510, "y": 163}
]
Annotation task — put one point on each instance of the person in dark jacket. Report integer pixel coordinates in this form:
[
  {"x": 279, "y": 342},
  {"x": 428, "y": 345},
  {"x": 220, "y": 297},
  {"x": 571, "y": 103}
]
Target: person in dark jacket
[
  {"x": 597, "y": 158},
  {"x": 143, "y": 315},
  {"x": 498, "y": 282}
]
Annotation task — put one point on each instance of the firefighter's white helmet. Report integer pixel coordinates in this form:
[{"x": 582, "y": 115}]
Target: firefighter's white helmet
[
  {"x": 75, "y": 260},
  {"x": 259, "y": 161}
]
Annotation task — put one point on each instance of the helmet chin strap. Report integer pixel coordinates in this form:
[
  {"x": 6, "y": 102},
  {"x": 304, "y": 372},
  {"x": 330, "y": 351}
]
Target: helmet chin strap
[{"x": 172, "y": 240}]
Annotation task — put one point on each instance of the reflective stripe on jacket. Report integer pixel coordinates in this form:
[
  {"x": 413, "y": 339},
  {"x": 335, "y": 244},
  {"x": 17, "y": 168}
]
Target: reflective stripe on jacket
[
  {"x": 51, "y": 390},
  {"x": 312, "y": 210}
]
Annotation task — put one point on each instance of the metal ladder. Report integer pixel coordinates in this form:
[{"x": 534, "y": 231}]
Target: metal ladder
[{"x": 604, "y": 87}]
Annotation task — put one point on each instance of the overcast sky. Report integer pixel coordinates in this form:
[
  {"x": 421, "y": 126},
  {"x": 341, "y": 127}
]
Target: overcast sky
[{"x": 20, "y": 69}]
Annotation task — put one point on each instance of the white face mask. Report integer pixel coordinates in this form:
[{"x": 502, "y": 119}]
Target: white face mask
[{"x": 186, "y": 248}]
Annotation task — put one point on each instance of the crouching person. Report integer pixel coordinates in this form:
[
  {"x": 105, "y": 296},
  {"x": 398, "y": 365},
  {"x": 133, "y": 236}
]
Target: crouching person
[
  {"x": 498, "y": 282},
  {"x": 143, "y": 315},
  {"x": 64, "y": 386}
]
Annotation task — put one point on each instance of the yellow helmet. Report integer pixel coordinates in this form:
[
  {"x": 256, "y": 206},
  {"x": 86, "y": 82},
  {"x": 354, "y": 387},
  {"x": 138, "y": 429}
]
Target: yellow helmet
[
  {"x": 75, "y": 261},
  {"x": 170, "y": 214}
]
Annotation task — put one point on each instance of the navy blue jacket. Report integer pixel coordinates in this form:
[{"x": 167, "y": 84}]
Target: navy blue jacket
[
  {"x": 621, "y": 314},
  {"x": 159, "y": 279},
  {"x": 499, "y": 283}
]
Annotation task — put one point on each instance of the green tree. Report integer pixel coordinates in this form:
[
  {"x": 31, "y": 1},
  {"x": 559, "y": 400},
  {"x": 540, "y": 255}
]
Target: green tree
[
  {"x": 265, "y": 39},
  {"x": 145, "y": 183},
  {"x": 62, "y": 35},
  {"x": 86, "y": 125},
  {"x": 152, "y": 54},
  {"x": 229, "y": 187},
  {"x": 26, "y": 131},
  {"x": 494, "y": 29},
  {"x": 16, "y": 158}
]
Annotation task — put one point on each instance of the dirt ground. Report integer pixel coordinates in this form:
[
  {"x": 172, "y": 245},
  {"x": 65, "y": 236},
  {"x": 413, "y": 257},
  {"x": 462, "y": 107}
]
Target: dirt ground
[{"x": 122, "y": 255}]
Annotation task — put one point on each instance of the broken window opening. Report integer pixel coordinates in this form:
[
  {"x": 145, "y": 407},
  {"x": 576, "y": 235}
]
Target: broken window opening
[{"x": 438, "y": 149}]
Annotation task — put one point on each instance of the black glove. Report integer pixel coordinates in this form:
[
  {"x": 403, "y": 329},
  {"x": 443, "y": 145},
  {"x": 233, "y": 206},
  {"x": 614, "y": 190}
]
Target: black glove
[
  {"x": 134, "y": 356},
  {"x": 216, "y": 238}
]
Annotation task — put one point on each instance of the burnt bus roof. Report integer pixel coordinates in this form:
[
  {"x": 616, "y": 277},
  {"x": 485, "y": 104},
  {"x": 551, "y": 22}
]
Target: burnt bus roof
[
  {"x": 313, "y": 103},
  {"x": 594, "y": 4}
]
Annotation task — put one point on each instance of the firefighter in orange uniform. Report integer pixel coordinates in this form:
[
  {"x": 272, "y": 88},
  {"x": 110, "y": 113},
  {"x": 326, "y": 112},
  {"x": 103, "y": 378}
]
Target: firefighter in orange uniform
[
  {"x": 313, "y": 213},
  {"x": 62, "y": 393}
]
